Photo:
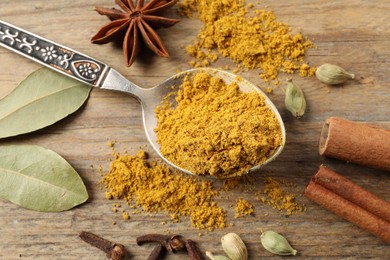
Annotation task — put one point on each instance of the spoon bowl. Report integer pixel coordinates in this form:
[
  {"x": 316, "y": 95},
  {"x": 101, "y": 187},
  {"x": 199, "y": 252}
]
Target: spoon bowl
[{"x": 153, "y": 97}]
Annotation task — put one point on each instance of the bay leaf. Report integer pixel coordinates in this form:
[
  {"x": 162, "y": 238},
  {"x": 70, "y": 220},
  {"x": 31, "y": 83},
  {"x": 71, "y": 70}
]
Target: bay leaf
[
  {"x": 40, "y": 100},
  {"x": 39, "y": 179}
]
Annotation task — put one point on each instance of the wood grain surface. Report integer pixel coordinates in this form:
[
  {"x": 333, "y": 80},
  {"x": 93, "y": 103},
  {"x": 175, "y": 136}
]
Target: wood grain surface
[{"x": 353, "y": 34}]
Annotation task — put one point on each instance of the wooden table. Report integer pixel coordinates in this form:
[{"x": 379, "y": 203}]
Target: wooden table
[{"x": 354, "y": 34}]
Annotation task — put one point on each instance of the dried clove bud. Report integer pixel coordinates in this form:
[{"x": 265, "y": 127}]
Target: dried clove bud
[
  {"x": 156, "y": 252},
  {"x": 118, "y": 252},
  {"x": 152, "y": 238},
  {"x": 276, "y": 243},
  {"x": 113, "y": 250},
  {"x": 165, "y": 244},
  {"x": 176, "y": 243},
  {"x": 234, "y": 247},
  {"x": 332, "y": 74},
  {"x": 294, "y": 99},
  {"x": 193, "y": 250},
  {"x": 171, "y": 243}
]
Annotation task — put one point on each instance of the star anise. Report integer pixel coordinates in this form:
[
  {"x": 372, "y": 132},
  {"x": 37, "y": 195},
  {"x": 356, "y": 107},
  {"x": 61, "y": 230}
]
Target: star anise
[{"x": 134, "y": 21}]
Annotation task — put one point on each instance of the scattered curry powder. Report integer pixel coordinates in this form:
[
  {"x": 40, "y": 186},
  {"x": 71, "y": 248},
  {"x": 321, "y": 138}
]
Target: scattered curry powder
[
  {"x": 231, "y": 183},
  {"x": 155, "y": 188},
  {"x": 215, "y": 128},
  {"x": 125, "y": 215},
  {"x": 252, "y": 38},
  {"x": 239, "y": 181},
  {"x": 278, "y": 199},
  {"x": 243, "y": 208},
  {"x": 110, "y": 144}
]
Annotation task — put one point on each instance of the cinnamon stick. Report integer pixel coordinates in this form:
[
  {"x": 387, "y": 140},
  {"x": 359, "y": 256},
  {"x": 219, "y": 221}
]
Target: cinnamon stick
[
  {"x": 349, "y": 201},
  {"x": 356, "y": 142},
  {"x": 354, "y": 193}
]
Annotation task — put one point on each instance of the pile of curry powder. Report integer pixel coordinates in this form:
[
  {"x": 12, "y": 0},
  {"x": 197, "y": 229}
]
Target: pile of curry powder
[
  {"x": 155, "y": 188},
  {"x": 252, "y": 38},
  {"x": 274, "y": 196},
  {"x": 243, "y": 208},
  {"x": 215, "y": 128}
]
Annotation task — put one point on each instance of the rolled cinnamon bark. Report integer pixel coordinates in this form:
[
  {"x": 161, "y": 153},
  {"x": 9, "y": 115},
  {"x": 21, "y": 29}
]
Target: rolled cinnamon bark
[
  {"x": 355, "y": 142},
  {"x": 343, "y": 207},
  {"x": 354, "y": 193}
]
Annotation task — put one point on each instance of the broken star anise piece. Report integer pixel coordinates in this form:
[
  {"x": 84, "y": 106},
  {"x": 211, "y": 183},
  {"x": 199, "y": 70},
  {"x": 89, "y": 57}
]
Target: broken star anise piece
[{"x": 134, "y": 21}]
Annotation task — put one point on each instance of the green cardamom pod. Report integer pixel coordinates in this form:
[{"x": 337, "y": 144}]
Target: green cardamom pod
[
  {"x": 332, "y": 74},
  {"x": 294, "y": 99},
  {"x": 276, "y": 243},
  {"x": 234, "y": 247},
  {"x": 211, "y": 256}
]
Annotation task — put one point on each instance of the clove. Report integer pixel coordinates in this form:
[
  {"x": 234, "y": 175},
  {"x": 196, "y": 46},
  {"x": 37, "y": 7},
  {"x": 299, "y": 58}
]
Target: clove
[
  {"x": 113, "y": 250},
  {"x": 170, "y": 243},
  {"x": 156, "y": 253},
  {"x": 167, "y": 243},
  {"x": 193, "y": 250}
]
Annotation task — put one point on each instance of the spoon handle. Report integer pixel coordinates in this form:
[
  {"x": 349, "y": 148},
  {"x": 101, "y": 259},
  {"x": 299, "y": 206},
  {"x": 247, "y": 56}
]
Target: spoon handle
[
  {"x": 55, "y": 56},
  {"x": 65, "y": 60}
]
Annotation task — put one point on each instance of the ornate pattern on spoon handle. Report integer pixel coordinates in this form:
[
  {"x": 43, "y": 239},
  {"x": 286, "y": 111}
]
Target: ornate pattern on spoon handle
[{"x": 53, "y": 55}]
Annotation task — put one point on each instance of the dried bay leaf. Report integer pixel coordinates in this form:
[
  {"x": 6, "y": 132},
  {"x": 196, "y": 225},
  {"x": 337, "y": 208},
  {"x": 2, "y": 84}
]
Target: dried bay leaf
[
  {"x": 40, "y": 100},
  {"x": 39, "y": 179}
]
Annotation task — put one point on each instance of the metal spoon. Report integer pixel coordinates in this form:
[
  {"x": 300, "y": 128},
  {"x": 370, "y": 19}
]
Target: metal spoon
[{"x": 95, "y": 73}]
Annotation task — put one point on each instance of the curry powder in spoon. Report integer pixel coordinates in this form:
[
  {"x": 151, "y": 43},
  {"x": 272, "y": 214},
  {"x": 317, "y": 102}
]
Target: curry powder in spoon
[{"x": 216, "y": 129}]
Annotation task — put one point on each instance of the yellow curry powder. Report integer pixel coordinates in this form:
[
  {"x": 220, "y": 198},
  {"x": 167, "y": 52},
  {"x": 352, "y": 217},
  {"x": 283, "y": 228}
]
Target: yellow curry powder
[
  {"x": 231, "y": 183},
  {"x": 243, "y": 208},
  {"x": 277, "y": 198},
  {"x": 215, "y": 128},
  {"x": 253, "y": 40},
  {"x": 155, "y": 188}
]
